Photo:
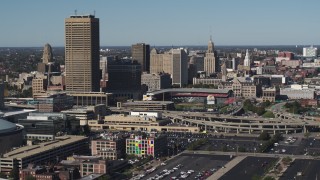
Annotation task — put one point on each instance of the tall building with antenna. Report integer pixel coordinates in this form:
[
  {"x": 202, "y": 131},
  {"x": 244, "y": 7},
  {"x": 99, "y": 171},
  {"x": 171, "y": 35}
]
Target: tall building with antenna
[
  {"x": 82, "y": 45},
  {"x": 211, "y": 63}
]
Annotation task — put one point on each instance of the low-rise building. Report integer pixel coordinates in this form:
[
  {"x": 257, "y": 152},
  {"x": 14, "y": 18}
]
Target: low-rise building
[
  {"x": 83, "y": 114},
  {"x": 156, "y": 81},
  {"x": 60, "y": 148},
  {"x": 292, "y": 93},
  {"x": 243, "y": 87},
  {"x": 92, "y": 166},
  {"x": 153, "y": 145},
  {"x": 269, "y": 94},
  {"x": 124, "y": 122},
  {"x": 89, "y": 98},
  {"x": 208, "y": 81},
  {"x": 309, "y": 103},
  {"x": 110, "y": 146},
  {"x": 54, "y": 102},
  {"x": 149, "y": 105},
  {"x": 45, "y": 126},
  {"x": 37, "y": 172},
  {"x": 291, "y": 63}
]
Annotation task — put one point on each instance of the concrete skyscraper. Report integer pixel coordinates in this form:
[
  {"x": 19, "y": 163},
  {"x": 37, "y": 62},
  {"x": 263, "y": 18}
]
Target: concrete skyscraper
[
  {"x": 141, "y": 53},
  {"x": 82, "y": 53},
  {"x": 47, "y": 54},
  {"x": 211, "y": 63},
  {"x": 173, "y": 62}
]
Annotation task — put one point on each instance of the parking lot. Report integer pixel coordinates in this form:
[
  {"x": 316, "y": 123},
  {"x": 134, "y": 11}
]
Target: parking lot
[
  {"x": 249, "y": 168},
  {"x": 302, "y": 146},
  {"x": 234, "y": 145},
  {"x": 302, "y": 169},
  {"x": 192, "y": 166}
]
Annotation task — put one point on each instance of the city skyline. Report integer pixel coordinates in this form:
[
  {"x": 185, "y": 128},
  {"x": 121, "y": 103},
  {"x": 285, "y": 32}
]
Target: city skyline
[{"x": 161, "y": 23}]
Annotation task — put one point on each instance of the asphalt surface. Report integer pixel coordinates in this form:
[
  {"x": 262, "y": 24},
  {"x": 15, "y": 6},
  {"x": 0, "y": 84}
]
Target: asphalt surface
[
  {"x": 200, "y": 163},
  {"x": 310, "y": 146},
  {"x": 249, "y": 168},
  {"x": 232, "y": 145},
  {"x": 310, "y": 169}
]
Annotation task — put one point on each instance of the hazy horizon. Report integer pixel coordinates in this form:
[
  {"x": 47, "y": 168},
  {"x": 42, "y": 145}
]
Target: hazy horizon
[{"x": 164, "y": 23}]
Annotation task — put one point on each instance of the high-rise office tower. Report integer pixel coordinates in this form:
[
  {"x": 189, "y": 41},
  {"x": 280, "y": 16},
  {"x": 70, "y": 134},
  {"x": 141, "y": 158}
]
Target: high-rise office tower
[
  {"x": 174, "y": 62},
  {"x": 124, "y": 79},
  {"x": 211, "y": 63},
  {"x": 82, "y": 53},
  {"x": 141, "y": 53},
  {"x": 224, "y": 71},
  {"x": 47, "y": 54}
]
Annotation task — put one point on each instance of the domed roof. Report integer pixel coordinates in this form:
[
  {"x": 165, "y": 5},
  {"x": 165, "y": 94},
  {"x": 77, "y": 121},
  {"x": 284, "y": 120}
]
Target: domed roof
[{"x": 6, "y": 126}]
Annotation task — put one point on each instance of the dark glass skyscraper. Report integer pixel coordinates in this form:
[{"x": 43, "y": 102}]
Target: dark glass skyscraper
[{"x": 141, "y": 53}]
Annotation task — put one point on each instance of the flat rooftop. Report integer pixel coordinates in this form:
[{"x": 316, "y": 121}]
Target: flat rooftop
[
  {"x": 148, "y": 102},
  {"x": 26, "y": 151},
  {"x": 189, "y": 90}
]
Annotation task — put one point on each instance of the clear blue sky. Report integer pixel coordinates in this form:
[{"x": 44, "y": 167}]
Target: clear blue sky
[{"x": 165, "y": 22}]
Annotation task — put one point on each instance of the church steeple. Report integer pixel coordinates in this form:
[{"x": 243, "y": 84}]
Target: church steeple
[
  {"x": 247, "y": 60},
  {"x": 210, "y": 46}
]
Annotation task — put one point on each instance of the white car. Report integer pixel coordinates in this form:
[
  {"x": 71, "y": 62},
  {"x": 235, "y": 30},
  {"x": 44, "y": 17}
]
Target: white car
[{"x": 190, "y": 171}]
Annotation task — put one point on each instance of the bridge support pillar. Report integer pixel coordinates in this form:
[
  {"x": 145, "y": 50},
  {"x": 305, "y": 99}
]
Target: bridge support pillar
[{"x": 304, "y": 129}]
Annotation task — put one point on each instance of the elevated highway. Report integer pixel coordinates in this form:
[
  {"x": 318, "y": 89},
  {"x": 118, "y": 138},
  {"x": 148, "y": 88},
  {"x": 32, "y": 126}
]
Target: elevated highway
[
  {"x": 238, "y": 124},
  {"x": 286, "y": 123}
]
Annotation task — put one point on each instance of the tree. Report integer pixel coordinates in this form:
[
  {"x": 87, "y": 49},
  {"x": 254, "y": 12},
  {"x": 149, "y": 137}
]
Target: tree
[
  {"x": 269, "y": 178},
  {"x": 247, "y": 105},
  {"x": 266, "y": 104},
  {"x": 224, "y": 148},
  {"x": 104, "y": 177},
  {"x": 268, "y": 114},
  {"x": 260, "y": 110},
  {"x": 27, "y": 93},
  {"x": 264, "y": 136},
  {"x": 286, "y": 160},
  {"x": 242, "y": 149}
]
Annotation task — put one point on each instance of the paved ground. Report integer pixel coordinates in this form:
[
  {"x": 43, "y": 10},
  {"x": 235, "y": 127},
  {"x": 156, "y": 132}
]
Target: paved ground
[
  {"x": 247, "y": 145},
  {"x": 302, "y": 146},
  {"x": 310, "y": 169},
  {"x": 249, "y": 168},
  {"x": 220, "y": 172},
  {"x": 200, "y": 163}
]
